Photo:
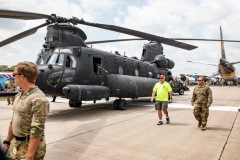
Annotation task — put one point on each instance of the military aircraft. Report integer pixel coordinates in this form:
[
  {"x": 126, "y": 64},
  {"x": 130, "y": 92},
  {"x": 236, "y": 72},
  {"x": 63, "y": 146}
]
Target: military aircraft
[
  {"x": 226, "y": 69},
  {"x": 71, "y": 69}
]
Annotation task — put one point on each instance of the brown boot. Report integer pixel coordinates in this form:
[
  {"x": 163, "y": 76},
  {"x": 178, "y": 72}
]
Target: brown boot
[
  {"x": 199, "y": 123},
  {"x": 203, "y": 128}
]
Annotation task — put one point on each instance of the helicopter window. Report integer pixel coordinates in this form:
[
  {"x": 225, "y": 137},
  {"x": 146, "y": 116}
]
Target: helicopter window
[
  {"x": 60, "y": 59},
  {"x": 71, "y": 62},
  {"x": 49, "y": 39},
  {"x": 144, "y": 52},
  {"x": 120, "y": 70},
  {"x": 62, "y": 50},
  {"x": 68, "y": 61},
  {"x": 68, "y": 75},
  {"x": 56, "y": 59},
  {"x": 53, "y": 59},
  {"x": 39, "y": 60},
  {"x": 43, "y": 57},
  {"x": 74, "y": 62},
  {"x": 96, "y": 63},
  {"x": 136, "y": 72}
]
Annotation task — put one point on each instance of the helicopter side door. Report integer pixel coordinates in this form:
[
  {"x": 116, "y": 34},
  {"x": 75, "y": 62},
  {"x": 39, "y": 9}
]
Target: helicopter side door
[
  {"x": 68, "y": 64},
  {"x": 97, "y": 70}
]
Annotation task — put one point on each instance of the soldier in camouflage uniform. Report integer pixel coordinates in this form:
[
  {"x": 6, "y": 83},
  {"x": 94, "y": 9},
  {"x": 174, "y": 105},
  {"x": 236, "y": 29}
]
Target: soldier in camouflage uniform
[
  {"x": 11, "y": 87},
  {"x": 201, "y": 100},
  {"x": 25, "y": 139}
]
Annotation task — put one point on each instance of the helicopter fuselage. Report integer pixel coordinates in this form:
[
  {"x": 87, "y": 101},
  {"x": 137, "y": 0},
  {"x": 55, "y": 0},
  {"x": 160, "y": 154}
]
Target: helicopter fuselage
[{"x": 83, "y": 69}]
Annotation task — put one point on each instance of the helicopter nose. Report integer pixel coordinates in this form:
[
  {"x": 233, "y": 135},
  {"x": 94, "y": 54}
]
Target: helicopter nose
[{"x": 66, "y": 90}]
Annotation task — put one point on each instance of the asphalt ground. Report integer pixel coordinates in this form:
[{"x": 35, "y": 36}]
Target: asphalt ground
[{"x": 97, "y": 132}]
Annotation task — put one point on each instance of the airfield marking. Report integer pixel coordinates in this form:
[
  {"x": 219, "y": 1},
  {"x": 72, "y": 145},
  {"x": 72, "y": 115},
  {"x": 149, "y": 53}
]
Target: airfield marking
[
  {"x": 174, "y": 105},
  {"x": 189, "y": 106}
]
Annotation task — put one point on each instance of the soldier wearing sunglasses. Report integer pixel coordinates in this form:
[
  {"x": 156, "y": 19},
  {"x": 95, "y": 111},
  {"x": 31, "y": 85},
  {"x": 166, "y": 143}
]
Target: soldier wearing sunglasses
[
  {"x": 25, "y": 138},
  {"x": 201, "y": 100}
]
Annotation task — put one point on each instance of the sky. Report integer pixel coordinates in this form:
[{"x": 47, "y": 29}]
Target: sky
[{"x": 170, "y": 19}]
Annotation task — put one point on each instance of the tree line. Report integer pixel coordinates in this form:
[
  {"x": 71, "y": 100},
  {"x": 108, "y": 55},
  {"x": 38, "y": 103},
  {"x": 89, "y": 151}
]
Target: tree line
[{"x": 5, "y": 68}]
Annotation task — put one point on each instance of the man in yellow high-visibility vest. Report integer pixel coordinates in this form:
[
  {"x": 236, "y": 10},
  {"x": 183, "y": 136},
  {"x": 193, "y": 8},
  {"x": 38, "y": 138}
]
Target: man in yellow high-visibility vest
[{"x": 163, "y": 90}]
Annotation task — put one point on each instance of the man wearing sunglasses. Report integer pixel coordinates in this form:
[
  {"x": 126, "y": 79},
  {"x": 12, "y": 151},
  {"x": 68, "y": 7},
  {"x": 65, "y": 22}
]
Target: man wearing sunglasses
[
  {"x": 201, "y": 100},
  {"x": 163, "y": 90},
  {"x": 25, "y": 138}
]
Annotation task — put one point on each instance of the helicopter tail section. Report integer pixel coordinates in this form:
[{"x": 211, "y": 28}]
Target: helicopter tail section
[{"x": 222, "y": 44}]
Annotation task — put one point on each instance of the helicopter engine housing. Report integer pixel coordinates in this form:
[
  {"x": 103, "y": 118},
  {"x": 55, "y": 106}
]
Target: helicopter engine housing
[{"x": 161, "y": 61}]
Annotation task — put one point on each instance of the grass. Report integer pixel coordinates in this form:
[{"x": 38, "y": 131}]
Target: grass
[{"x": 3, "y": 98}]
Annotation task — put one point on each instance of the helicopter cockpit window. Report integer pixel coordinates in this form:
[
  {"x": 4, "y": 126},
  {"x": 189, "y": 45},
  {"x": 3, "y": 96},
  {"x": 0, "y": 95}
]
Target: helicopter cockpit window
[
  {"x": 71, "y": 62},
  {"x": 39, "y": 60},
  {"x": 43, "y": 57},
  {"x": 56, "y": 59},
  {"x": 63, "y": 50}
]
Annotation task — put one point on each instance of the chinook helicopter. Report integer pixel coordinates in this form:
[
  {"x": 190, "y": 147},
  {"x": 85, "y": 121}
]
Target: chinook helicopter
[{"x": 71, "y": 69}]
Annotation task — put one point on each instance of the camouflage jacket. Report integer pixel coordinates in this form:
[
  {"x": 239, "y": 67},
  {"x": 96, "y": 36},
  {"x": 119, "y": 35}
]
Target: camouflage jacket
[
  {"x": 11, "y": 87},
  {"x": 30, "y": 111},
  {"x": 202, "y": 95}
]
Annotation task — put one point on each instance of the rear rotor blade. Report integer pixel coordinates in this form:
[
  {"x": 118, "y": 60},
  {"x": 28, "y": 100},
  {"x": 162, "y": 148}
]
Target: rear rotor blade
[
  {"x": 203, "y": 63},
  {"x": 138, "y": 39},
  {"x": 192, "y": 39},
  {"x": 22, "y": 35},
  {"x": 22, "y": 15},
  {"x": 114, "y": 40},
  {"x": 147, "y": 36}
]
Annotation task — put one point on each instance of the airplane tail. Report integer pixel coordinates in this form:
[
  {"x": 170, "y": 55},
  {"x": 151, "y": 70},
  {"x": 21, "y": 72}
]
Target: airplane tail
[{"x": 222, "y": 44}]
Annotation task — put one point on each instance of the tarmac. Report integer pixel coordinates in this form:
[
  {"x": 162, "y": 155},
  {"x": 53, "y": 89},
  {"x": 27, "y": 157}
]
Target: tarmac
[{"x": 97, "y": 132}]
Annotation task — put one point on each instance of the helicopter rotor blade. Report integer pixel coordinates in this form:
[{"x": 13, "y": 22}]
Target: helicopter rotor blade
[
  {"x": 22, "y": 15},
  {"x": 203, "y": 63},
  {"x": 138, "y": 39},
  {"x": 21, "y": 35},
  {"x": 192, "y": 39},
  {"x": 147, "y": 36},
  {"x": 114, "y": 40}
]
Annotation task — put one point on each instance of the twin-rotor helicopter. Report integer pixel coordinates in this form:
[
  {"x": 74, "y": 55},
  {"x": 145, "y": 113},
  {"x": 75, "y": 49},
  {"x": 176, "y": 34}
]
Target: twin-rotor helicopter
[{"x": 71, "y": 69}]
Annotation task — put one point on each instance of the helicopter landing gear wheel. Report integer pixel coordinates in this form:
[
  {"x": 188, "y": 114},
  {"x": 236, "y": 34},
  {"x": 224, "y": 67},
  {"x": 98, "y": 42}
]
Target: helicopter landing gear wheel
[
  {"x": 122, "y": 104},
  {"x": 75, "y": 103},
  {"x": 116, "y": 104}
]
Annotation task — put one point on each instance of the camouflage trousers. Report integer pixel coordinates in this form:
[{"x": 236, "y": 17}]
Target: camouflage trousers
[
  {"x": 10, "y": 100},
  {"x": 201, "y": 113},
  {"x": 18, "y": 150}
]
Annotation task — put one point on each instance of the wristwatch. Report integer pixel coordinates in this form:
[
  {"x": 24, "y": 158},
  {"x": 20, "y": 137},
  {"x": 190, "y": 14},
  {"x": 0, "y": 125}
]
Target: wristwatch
[{"x": 6, "y": 142}]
